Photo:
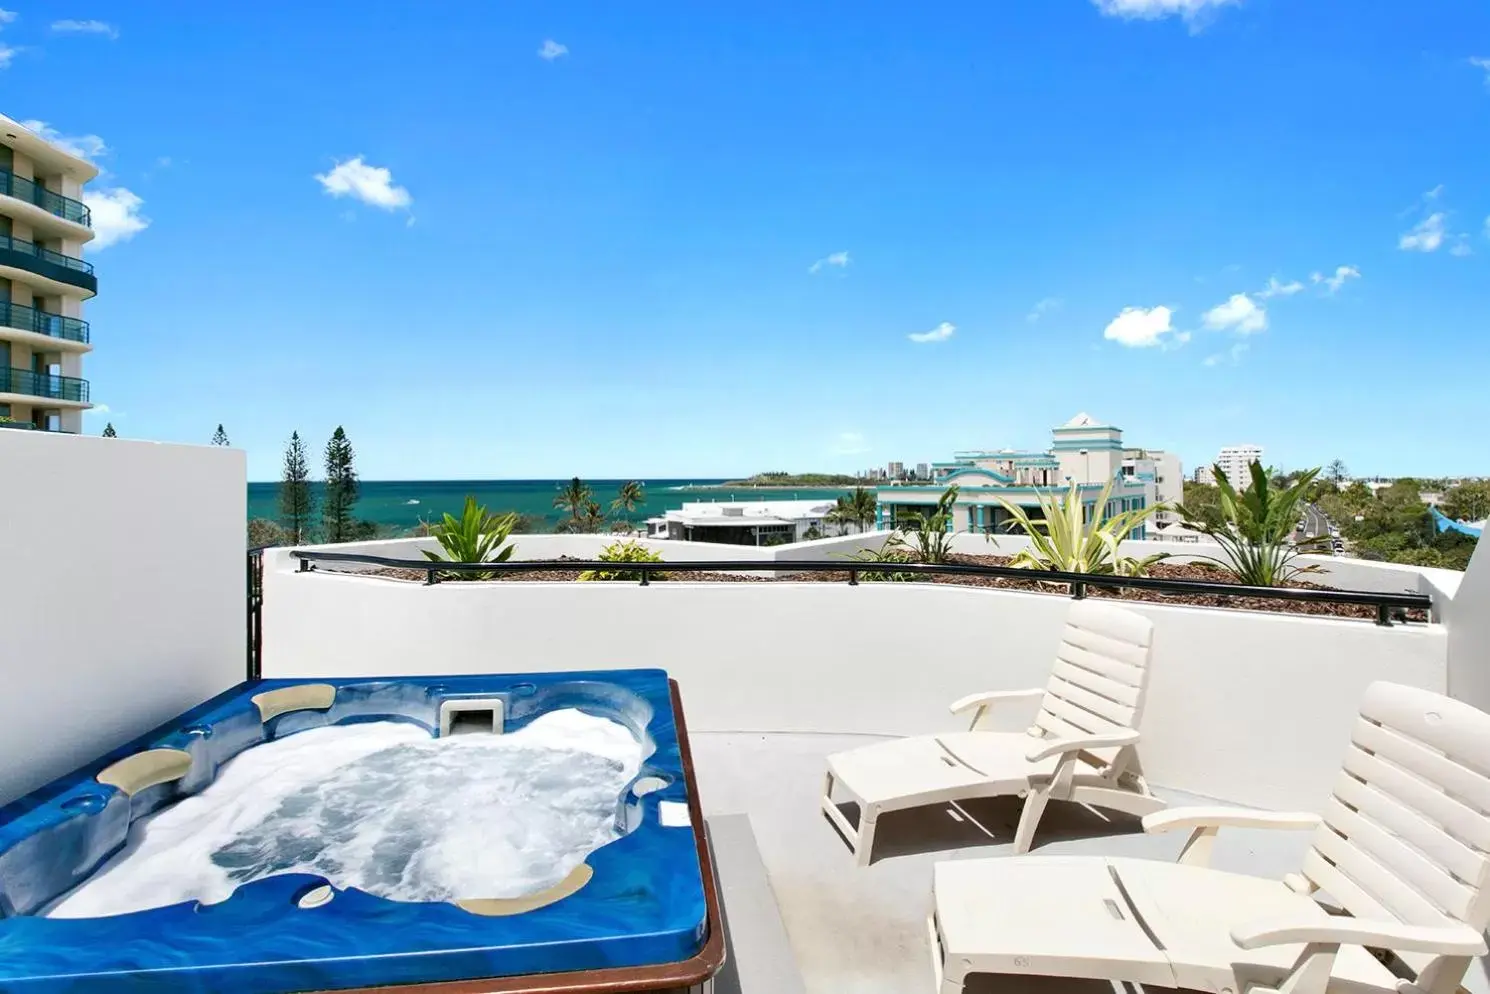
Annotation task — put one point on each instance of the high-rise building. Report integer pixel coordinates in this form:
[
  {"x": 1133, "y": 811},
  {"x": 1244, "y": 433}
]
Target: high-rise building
[
  {"x": 1234, "y": 460},
  {"x": 922, "y": 471},
  {"x": 1204, "y": 474},
  {"x": 43, "y": 282},
  {"x": 895, "y": 470}
]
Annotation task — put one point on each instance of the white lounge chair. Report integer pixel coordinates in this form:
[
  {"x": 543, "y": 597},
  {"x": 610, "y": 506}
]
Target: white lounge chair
[
  {"x": 1080, "y": 748},
  {"x": 1401, "y": 848}
]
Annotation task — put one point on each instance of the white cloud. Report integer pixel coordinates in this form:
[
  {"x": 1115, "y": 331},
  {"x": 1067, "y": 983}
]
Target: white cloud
[
  {"x": 83, "y": 146},
  {"x": 6, "y": 16},
  {"x": 1240, "y": 314},
  {"x": 940, "y": 333},
  {"x": 116, "y": 216},
  {"x": 1276, "y": 289},
  {"x": 370, "y": 184},
  {"x": 1152, "y": 10},
  {"x": 1333, "y": 283},
  {"x": 1427, "y": 236},
  {"x": 97, "y": 410},
  {"x": 1434, "y": 193},
  {"x": 1487, "y": 227},
  {"x": 850, "y": 443},
  {"x": 552, "y": 50},
  {"x": 7, "y": 53},
  {"x": 1230, "y": 357},
  {"x": 1461, "y": 246},
  {"x": 1479, "y": 63},
  {"x": 1042, "y": 308},
  {"x": 86, "y": 28},
  {"x": 1143, "y": 327},
  {"x": 839, "y": 260}
]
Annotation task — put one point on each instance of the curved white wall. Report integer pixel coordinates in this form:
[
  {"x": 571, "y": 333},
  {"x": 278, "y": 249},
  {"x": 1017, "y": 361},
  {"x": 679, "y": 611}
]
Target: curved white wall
[{"x": 1253, "y": 708}]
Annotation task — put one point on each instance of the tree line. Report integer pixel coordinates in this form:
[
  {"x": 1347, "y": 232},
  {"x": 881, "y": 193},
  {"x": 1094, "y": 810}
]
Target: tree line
[{"x": 300, "y": 521}]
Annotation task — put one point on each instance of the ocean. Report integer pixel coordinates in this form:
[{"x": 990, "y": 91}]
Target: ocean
[{"x": 396, "y": 505}]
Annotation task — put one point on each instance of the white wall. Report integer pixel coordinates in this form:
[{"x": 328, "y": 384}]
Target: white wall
[
  {"x": 1467, "y": 618},
  {"x": 1253, "y": 708},
  {"x": 121, "y": 593}
]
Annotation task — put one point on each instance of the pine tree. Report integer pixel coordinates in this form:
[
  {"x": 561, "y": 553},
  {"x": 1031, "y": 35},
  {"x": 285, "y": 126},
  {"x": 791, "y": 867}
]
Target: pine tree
[
  {"x": 109, "y": 432},
  {"x": 341, "y": 489},
  {"x": 219, "y": 437},
  {"x": 296, "y": 505}
]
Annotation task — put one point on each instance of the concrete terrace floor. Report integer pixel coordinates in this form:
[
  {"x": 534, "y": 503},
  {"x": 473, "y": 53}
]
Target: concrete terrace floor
[{"x": 863, "y": 931}]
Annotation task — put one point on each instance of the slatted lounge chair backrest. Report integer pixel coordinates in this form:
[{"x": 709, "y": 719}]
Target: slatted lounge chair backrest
[
  {"x": 1100, "y": 678},
  {"x": 1406, "y": 831}
]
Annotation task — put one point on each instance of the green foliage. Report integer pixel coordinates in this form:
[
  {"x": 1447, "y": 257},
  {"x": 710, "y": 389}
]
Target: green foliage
[
  {"x": 1256, "y": 527},
  {"x": 629, "y": 551},
  {"x": 219, "y": 437},
  {"x": 858, "y": 508},
  {"x": 579, "y": 500},
  {"x": 929, "y": 536},
  {"x": 1469, "y": 501},
  {"x": 1336, "y": 472},
  {"x": 474, "y": 537},
  {"x": 1203, "y": 500},
  {"x": 296, "y": 503},
  {"x": 109, "y": 432},
  {"x": 631, "y": 496},
  {"x": 1062, "y": 542},
  {"x": 887, "y": 554},
  {"x": 341, "y": 489},
  {"x": 813, "y": 533},
  {"x": 262, "y": 532}
]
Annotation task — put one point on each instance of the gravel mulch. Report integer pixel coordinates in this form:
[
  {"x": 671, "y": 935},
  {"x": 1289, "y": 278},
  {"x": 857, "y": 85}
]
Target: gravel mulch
[{"x": 1188, "y": 571}]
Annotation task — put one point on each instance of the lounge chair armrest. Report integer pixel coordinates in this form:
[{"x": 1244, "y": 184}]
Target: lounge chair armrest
[
  {"x": 992, "y": 697},
  {"x": 1451, "y": 939},
  {"x": 1223, "y": 817},
  {"x": 1045, "y": 748}
]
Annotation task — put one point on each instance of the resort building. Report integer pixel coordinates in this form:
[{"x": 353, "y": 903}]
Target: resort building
[
  {"x": 43, "y": 282},
  {"x": 1206, "y": 475},
  {"x": 1082, "y": 450},
  {"x": 756, "y": 522}
]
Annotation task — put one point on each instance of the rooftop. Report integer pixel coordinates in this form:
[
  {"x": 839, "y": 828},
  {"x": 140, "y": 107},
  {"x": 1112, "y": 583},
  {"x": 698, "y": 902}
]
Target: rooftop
[{"x": 1244, "y": 707}]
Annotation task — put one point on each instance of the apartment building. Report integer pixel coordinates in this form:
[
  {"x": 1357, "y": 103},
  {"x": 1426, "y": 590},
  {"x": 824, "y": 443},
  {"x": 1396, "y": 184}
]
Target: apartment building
[
  {"x": 1234, "y": 460},
  {"x": 43, "y": 282}
]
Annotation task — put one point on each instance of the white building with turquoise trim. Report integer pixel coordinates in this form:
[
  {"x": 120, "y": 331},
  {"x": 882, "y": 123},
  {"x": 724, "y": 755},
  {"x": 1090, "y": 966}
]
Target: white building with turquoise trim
[{"x": 1082, "y": 450}]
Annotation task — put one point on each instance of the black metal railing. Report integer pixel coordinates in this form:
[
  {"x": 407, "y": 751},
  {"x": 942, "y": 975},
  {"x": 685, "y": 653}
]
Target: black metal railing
[
  {"x": 254, "y": 665},
  {"x": 43, "y": 322},
  {"x": 1388, "y": 606},
  {"x": 43, "y": 385},
  {"x": 53, "y": 203},
  {"x": 23, "y": 247}
]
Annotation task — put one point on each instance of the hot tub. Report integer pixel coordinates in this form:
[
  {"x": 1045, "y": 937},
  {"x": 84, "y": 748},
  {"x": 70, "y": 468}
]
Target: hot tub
[{"x": 639, "y": 913}]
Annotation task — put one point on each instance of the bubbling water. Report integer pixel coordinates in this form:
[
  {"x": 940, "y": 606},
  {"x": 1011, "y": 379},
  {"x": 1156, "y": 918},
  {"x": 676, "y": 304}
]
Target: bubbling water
[{"x": 382, "y": 807}]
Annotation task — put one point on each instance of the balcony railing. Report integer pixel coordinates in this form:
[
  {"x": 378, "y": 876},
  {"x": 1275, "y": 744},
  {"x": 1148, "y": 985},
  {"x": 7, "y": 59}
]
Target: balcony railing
[
  {"x": 43, "y": 385},
  {"x": 43, "y": 323},
  {"x": 45, "y": 262},
  {"x": 33, "y": 192}
]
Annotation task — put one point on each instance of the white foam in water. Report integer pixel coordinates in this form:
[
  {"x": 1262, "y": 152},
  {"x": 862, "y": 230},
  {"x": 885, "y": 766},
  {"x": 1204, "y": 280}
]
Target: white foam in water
[{"x": 383, "y": 807}]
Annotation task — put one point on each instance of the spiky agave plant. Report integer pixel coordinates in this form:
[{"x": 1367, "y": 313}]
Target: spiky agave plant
[
  {"x": 1255, "y": 526},
  {"x": 1064, "y": 543},
  {"x": 474, "y": 537}
]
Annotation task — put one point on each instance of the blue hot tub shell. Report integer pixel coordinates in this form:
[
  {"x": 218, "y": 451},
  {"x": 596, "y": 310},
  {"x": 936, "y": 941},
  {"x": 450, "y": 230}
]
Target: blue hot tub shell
[{"x": 644, "y": 903}]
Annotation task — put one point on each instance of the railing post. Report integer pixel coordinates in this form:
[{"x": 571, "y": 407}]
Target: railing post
[
  {"x": 1078, "y": 591},
  {"x": 431, "y": 577},
  {"x": 853, "y": 578},
  {"x": 304, "y": 566},
  {"x": 1384, "y": 616},
  {"x": 646, "y": 576}
]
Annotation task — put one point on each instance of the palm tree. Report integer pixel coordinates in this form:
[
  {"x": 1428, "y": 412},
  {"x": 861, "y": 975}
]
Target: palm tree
[
  {"x": 630, "y": 495},
  {"x": 857, "y": 508},
  {"x": 573, "y": 498}
]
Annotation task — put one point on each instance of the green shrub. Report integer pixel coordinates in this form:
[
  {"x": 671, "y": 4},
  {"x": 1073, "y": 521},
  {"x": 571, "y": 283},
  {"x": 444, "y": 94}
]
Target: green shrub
[
  {"x": 888, "y": 554},
  {"x": 629, "y": 551},
  {"x": 263, "y": 532},
  {"x": 1063, "y": 543},
  {"x": 474, "y": 537},
  {"x": 1254, "y": 528}
]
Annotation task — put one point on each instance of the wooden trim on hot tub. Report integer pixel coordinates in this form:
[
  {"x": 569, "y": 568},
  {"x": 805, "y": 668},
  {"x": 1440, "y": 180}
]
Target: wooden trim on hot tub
[{"x": 656, "y": 977}]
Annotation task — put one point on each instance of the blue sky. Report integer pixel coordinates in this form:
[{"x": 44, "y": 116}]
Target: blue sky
[{"x": 678, "y": 239}]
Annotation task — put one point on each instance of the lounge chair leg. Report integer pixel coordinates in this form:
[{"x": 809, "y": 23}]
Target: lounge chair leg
[
  {"x": 1029, "y": 819},
  {"x": 865, "y": 848}
]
